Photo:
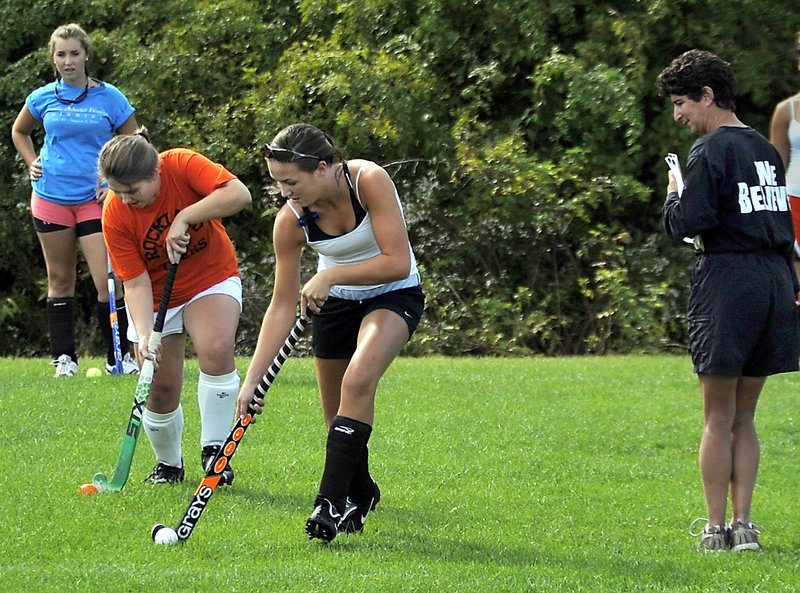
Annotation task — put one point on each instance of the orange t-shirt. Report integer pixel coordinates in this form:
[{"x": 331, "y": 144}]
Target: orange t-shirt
[{"x": 135, "y": 238}]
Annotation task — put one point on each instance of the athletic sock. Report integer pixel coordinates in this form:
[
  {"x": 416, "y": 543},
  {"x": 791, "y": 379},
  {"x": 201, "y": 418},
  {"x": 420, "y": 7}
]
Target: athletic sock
[
  {"x": 345, "y": 451},
  {"x": 361, "y": 484},
  {"x": 103, "y": 314},
  {"x": 216, "y": 397},
  {"x": 61, "y": 323},
  {"x": 164, "y": 432},
  {"x": 122, "y": 318}
]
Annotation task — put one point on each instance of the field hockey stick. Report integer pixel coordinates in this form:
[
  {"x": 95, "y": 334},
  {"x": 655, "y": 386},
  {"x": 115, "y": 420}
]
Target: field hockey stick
[
  {"x": 112, "y": 314},
  {"x": 214, "y": 472},
  {"x": 125, "y": 458}
]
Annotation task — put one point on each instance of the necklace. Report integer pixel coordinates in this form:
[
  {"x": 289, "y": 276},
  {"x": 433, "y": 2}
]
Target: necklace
[{"x": 77, "y": 99}]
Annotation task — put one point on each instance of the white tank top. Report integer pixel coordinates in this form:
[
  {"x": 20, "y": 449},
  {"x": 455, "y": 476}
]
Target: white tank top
[
  {"x": 793, "y": 172},
  {"x": 357, "y": 246}
]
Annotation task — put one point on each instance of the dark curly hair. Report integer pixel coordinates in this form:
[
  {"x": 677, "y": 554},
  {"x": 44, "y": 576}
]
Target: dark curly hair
[{"x": 695, "y": 69}]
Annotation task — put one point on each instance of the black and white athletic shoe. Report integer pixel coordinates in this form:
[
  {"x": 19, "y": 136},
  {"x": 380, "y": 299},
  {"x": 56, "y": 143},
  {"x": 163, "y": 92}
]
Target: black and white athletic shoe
[
  {"x": 209, "y": 453},
  {"x": 356, "y": 511},
  {"x": 165, "y": 474},
  {"x": 324, "y": 520}
]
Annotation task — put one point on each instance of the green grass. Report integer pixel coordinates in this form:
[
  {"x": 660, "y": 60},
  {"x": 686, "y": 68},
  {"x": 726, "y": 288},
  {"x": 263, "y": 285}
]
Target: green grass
[{"x": 569, "y": 474}]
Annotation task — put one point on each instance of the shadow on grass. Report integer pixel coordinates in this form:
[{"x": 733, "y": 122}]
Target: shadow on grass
[{"x": 433, "y": 537}]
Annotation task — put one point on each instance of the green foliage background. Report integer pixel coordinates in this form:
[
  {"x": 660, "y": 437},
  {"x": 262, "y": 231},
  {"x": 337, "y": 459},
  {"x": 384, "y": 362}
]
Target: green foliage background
[{"x": 526, "y": 137}]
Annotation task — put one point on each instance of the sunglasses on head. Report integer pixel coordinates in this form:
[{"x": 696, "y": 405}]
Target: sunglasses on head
[{"x": 284, "y": 155}]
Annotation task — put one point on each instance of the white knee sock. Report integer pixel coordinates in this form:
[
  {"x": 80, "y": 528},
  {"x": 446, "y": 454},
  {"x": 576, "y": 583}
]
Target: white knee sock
[
  {"x": 164, "y": 432},
  {"x": 216, "y": 396}
]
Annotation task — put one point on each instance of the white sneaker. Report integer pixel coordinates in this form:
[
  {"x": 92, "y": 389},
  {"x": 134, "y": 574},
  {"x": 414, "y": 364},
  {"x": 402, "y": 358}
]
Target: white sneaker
[
  {"x": 65, "y": 366},
  {"x": 129, "y": 366}
]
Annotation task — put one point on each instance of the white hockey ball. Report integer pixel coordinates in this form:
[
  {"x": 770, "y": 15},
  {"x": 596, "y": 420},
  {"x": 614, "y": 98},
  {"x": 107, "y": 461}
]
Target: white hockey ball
[{"x": 163, "y": 535}]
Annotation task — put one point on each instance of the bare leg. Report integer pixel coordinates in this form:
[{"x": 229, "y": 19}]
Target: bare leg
[
  {"x": 94, "y": 250},
  {"x": 716, "y": 455},
  {"x": 59, "y": 248},
  {"x": 330, "y": 373},
  {"x": 347, "y": 387},
  {"x": 165, "y": 390},
  {"x": 211, "y": 322},
  {"x": 382, "y": 335},
  {"x": 746, "y": 447}
]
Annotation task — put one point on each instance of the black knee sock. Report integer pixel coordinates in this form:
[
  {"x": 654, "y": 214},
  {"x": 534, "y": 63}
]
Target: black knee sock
[
  {"x": 61, "y": 323},
  {"x": 103, "y": 313},
  {"x": 361, "y": 484},
  {"x": 122, "y": 318},
  {"x": 345, "y": 451}
]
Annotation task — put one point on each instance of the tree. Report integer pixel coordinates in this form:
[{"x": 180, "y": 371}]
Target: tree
[{"x": 526, "y": 138}]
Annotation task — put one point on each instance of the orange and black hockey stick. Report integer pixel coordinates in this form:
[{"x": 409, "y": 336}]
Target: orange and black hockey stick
[{"x": 211, "y": 480}]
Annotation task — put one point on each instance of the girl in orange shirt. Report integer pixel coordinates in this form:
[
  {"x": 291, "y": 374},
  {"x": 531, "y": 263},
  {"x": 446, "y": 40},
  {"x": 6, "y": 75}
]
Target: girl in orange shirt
[{"x": 163, "y": 207}]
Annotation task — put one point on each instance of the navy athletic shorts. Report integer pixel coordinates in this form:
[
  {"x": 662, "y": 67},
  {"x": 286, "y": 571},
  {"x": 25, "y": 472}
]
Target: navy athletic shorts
[
  {"x": 743, "y": 321},
  {"x": 335, "y": 328}
]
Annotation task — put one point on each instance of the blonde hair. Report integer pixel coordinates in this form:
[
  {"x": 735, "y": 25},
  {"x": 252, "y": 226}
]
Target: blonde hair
[
  {"x": 128, "y": 157},
  {"x": 71, "y": 31}
]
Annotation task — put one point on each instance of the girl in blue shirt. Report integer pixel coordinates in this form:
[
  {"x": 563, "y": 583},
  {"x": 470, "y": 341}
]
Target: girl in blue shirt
[{"x": 79, "y": 115}]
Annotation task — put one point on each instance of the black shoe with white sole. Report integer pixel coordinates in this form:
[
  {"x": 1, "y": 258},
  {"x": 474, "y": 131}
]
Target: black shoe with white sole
[
  {"x": 165, "y": 474},
  {"x": 324, "y": 520},
  {"x": 356, "y": 511}
]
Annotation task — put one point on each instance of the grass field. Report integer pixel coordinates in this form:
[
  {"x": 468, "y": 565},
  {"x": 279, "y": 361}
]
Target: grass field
[{"x": 568, "y": 474}]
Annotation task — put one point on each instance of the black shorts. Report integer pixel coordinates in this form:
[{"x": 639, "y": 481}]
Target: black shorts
[
  {"x": 743, "y": 320},
  {"x": 335, "y": 328},
  {"x": 82, "y": 229}
]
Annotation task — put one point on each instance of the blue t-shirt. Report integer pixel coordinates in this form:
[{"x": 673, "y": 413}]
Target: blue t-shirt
[{"x": 74, "y": 135}]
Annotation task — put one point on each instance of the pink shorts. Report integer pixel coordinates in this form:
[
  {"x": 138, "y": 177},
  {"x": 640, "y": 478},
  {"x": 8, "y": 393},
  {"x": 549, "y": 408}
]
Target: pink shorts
[{"x": 63, "y": 216}]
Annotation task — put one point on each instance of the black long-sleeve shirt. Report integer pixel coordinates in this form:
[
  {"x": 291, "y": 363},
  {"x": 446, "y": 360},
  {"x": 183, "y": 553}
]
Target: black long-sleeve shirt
[{"x": 734, "y": 196}]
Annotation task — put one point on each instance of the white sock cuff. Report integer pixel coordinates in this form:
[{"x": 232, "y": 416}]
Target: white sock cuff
[
  {"x": 220, "y": 380},
  {"x": 161, "y": 418}
]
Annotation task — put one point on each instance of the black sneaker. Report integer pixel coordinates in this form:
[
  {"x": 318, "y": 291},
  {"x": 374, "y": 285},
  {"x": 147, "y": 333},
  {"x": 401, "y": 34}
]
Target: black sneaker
[
  {"x": 324, "y": 520},
  {"x": 209, "y": 453},
  {"x": 355, "y": 512},
  {"x": 166, "y": 474}
]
